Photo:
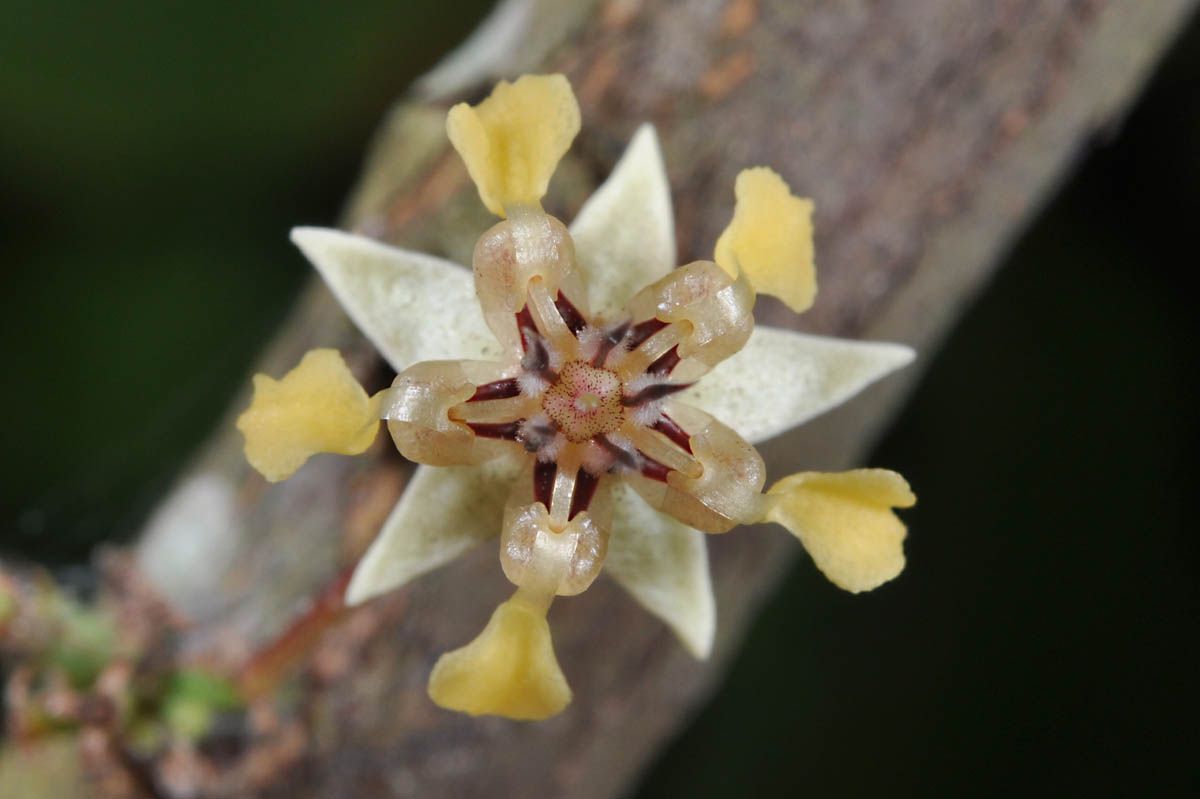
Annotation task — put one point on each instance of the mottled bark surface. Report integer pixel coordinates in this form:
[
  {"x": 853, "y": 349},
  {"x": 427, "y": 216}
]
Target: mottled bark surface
[{"x": 926, "y": 131}]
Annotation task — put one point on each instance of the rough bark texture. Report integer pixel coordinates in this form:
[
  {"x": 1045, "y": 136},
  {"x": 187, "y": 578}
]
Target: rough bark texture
[{"x": 926, "y": 131}]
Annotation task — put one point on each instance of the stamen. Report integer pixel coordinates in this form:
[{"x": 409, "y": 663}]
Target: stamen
[
  {"x": 657, "y": 448},
  {"x": 499, "y": 389},
  {"x": 548, "y": 319},
  {"x": 561, "y": 496},
  {"x": 489, "y": 411}
]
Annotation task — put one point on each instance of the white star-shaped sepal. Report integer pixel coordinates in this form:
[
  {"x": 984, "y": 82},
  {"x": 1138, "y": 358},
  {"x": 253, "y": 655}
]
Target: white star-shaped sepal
[
  {"x": 625, "y": 233},
  {"x": 412, "y": 306},
  {"x": 444, "y": 511},
  {"x": 781, "y": 379},
  {"x": 664, "y": 565}
]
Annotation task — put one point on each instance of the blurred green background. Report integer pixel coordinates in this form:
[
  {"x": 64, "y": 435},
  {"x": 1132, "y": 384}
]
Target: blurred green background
[{"x": 1043, "y": 639}]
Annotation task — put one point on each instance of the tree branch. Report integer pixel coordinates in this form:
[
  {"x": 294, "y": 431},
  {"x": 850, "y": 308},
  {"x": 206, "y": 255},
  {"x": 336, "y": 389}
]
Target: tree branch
[{"x": 927, "y": 132}]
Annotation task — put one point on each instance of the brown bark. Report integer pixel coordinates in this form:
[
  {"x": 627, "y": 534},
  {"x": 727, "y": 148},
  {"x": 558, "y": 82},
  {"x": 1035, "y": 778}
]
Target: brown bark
[{"x": 926, "y": 131}]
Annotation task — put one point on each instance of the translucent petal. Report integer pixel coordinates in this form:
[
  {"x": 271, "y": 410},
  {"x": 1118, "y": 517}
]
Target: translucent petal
[
  {"x": 718, "y": 308},
  {"x": 509, "y": 670},
  {"x": 845, "y": 522},
  {"x": 664, "y": 565},
  {"x": 560, "y": 556},
  {"x": 625, "y": 232},
  {"x": 770, "y": 239},
  {"x": 417, "y": 410},
  {"x": 513, "y": 140},
  {"x": 413, "y": 307},
  {"x": 781, "y": 379},
  {"x": 443, "y": 512},
  {"x": 724, "y": 493},
  {"x": 528, "y": 245},
  {"x": 316, "y": 407},
  {"x": 563, "y": 562}
]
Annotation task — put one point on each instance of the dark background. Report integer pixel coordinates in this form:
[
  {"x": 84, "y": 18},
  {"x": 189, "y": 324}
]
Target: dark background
[{"x": 1044, "y": 636}]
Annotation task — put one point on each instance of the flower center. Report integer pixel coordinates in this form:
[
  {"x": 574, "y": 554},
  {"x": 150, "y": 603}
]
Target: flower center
[{"x": 585, "y": 402}]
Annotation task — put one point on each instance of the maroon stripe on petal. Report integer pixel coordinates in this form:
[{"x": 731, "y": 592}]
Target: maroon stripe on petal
[
  {"x": 570, "y": 314},
  {"x": 585, "y": 489},
  {"x": 525, "y": 322},
  {"x": 666, "y": 362},
  {"x": 505, "y": 430},
  {"x": 642, "y": 331},
  {"x": 500, "y": 389},
  {"x": 671, "y": 429},
  {"x": 543, "y": 481},
  {"x": 653, "y": 469}
]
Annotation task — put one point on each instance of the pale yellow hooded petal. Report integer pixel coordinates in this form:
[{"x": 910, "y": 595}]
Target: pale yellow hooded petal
[
  {"x": 845, "y": 522},
  {"x": 316, "y": 407},
  {"x": 770, "y": 239},
  {"x": 513, "y": 140},
  {"x": 509, "y": 670},
  {"x": 399, "y": 298}
]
